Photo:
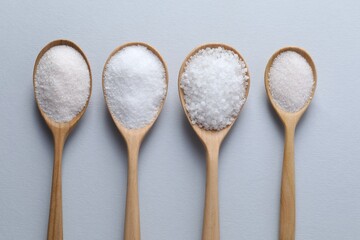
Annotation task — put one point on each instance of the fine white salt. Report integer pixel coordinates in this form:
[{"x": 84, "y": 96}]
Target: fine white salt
[
  {"x": 291, "y": 81},
  {"x": 214, "y": 83},
  {"x": 135, "y": 86},
  {"x": 62, "y": 83}
]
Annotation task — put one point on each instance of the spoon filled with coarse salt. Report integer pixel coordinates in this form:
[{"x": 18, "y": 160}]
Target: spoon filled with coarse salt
[
  {"x": 213, "y": 87},
  {"x": 62, "y": 86},
  {"x": 290, "y": 82},
  {"x": 135, "y": 80}
]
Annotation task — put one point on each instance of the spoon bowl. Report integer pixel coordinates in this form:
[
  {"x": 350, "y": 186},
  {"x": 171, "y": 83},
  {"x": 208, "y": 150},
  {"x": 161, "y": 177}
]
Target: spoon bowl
[
  {"x": 60, "y": 132},
  {"x": 133, "y": 139},
  {"x": 64, "y": 126},
  {"x": 211, "y": 140},
  {"x": 289, "y": 120},
  {"x": 289, "y": 117},
  {"x": 207, "y": 136},
  {"x": 140, "y": 132}
]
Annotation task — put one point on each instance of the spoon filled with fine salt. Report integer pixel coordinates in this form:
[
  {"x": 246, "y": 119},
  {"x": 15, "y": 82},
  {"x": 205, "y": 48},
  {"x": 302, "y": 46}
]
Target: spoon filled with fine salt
[
  {"x": 135, "y": 80},
  {"x": 290, "y": 82},
  {"x": 213, "y": 87},
  {"x": 62, "y": 86}
]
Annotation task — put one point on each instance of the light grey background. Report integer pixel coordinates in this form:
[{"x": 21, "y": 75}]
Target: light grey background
[{"x": 172, "y": 166}]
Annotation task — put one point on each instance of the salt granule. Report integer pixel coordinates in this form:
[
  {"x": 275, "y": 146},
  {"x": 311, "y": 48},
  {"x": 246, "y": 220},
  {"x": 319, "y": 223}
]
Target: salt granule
[
  {"x": 62, "y": 83},
  {"x": 214, "y": 83},
  {"x": 291, "y": 81},
  {"x": 135, "y": 86}
]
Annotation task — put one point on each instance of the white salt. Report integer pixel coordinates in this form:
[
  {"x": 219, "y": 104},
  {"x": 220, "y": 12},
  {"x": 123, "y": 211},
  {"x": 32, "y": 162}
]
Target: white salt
[
  {"x": 62, "y": 83},
  {"x": 135, "y": 86},
  {"x": 291, "y": 81},
  {"x": 214, "y": 83}
]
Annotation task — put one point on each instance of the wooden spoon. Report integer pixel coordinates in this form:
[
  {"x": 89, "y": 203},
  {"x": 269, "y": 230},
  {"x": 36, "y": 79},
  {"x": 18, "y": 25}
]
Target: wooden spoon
[
  {"x": 60, "y": 132},
  {"x": 212, "y": 141},
  {"x": 290, "y": 120},
  {"x": 133, "y": 139}
]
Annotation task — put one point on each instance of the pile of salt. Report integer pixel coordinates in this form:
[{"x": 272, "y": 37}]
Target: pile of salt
[
  {"x": 62, "y": 83},
  {"x": 291, "y": 81},
  {"x": 135, "y": 86},
  {"x": 215, "y": 83}
]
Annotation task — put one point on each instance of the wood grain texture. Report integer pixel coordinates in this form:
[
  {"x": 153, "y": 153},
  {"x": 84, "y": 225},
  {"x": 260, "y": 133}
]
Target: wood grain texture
[
  {"x": 290, "y": 121},
  {"x": 133, "y": 139},
  {"x": 60, "y": 132},
  {"x": 212, "y": 141}
]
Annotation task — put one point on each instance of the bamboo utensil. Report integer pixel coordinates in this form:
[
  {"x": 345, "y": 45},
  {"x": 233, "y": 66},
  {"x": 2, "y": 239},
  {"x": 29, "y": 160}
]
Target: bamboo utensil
[
  {"x": 290, "y": 120},
  {"x": 60, "y": 132},
  {"x": 133, "y": 139},
  {"x": 212, "y": 141}
]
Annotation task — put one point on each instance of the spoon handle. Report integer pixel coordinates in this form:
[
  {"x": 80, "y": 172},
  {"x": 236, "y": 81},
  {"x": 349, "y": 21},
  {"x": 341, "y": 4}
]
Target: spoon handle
[
  {"x": 211, "y": 230},
  {"x": 132, "y": 215},
  {"x": 287, "y": 202},
  {"x": 55, "y": 228}
]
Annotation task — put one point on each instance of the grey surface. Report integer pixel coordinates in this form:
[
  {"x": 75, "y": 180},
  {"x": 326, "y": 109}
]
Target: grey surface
[{"x": 172, "y": 166}]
